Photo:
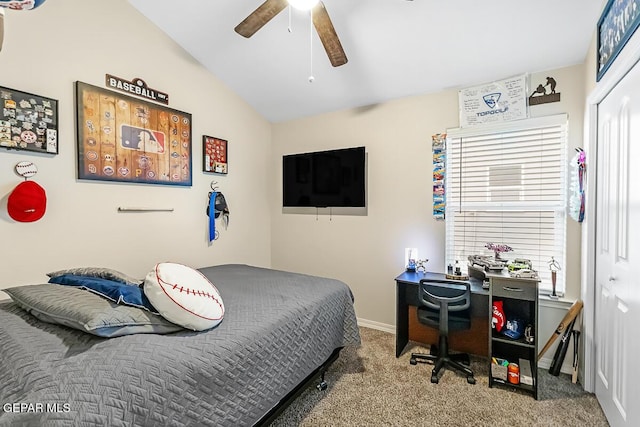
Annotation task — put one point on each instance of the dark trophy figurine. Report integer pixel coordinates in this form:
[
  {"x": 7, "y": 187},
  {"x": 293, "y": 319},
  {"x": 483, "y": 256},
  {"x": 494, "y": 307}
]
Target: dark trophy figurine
[{"x": 554, "y": 267}]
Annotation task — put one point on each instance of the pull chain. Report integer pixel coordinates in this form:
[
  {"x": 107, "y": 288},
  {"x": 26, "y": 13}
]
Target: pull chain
[
  {"x": 289, "y": 27},
  {"x": 311, "y": 78}
]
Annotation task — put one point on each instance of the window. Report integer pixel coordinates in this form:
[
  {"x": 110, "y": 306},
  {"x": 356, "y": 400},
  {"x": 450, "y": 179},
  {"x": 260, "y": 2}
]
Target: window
[{"x": 505, "y": 184}]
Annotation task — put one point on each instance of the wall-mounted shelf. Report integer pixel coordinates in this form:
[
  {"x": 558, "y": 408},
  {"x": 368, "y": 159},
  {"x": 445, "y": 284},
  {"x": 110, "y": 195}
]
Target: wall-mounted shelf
[{"x": 125, "y": 209}]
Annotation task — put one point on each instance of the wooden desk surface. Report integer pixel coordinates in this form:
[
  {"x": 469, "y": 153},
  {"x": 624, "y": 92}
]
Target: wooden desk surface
[{"x": 415, "y": 277}]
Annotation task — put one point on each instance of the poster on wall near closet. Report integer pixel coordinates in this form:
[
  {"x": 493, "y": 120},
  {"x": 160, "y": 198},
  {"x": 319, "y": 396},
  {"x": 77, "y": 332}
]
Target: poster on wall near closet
[
  {"x": 125, "y": 139},
  {"x": 619, "y": 20},
  {"x": 494, "y": 102}
]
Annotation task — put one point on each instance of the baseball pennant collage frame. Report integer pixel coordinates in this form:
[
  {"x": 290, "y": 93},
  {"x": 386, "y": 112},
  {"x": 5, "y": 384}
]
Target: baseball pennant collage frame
[
  {"x": 125, "y": 139},
  {"x": 28, "y": 121}
]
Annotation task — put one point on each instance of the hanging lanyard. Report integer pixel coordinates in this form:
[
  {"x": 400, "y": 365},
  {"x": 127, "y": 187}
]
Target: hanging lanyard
[{"x": 212, "y": 216}]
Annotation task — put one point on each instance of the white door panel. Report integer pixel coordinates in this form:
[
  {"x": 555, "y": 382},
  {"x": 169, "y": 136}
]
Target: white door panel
[
  {"x": 617, "y": 311},
  {"x": 603, "y": 335}
]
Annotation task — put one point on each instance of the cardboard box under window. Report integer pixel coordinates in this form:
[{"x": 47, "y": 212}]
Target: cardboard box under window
[
  {"x": 525, "y": 372},
  {"x": 499, "y": 369}
]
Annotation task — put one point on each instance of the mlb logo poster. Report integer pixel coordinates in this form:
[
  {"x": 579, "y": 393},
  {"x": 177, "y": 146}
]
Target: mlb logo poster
[
  {"x": 147, "y": 140},
  {"x": 125, "y": 139},
  {"x": 494, "y": 102}
]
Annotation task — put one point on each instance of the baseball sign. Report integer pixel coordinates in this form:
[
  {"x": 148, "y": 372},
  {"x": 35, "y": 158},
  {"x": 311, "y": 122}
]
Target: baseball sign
[{"x": 26, "y": 169}]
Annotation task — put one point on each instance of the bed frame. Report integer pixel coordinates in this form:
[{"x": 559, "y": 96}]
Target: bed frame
[{"x": 271, "y": 416}]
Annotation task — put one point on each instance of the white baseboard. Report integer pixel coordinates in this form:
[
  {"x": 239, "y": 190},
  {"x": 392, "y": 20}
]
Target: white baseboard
[
  {"x": 377, "y": 325},
  {"x": 566, "y": 368}
]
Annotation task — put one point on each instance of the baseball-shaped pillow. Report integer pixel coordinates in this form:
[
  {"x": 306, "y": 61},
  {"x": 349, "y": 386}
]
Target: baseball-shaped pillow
[{"x": 184, "y": 296}]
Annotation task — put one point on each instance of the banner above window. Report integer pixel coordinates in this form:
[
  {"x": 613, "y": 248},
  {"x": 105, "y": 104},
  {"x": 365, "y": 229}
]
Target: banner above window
[{"x": 495, "y": 102}]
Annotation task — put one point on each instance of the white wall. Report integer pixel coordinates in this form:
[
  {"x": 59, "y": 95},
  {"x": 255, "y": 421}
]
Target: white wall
[
  {"x": 367, "y": 252},
  {"x": 45, "y": 51},
  {"x": 48, "y": 49}
]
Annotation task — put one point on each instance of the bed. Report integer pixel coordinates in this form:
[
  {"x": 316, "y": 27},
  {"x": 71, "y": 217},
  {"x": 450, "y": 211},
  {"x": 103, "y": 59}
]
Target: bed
[{"x": 279, "y": 330}]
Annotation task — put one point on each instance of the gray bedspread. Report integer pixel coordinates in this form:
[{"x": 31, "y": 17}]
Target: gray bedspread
[{"x": 278, "y": 327}]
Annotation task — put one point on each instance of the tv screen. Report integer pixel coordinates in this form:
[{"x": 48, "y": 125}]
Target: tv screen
[{"x": 334, "y": 178}]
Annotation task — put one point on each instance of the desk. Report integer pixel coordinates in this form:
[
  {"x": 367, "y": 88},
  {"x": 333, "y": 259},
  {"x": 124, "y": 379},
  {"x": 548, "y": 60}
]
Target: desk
[{"x": 473, "y": 341}]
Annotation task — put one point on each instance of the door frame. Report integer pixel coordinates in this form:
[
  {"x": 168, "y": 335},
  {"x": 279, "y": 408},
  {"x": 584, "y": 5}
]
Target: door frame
[{"x": 627, "y": 58}]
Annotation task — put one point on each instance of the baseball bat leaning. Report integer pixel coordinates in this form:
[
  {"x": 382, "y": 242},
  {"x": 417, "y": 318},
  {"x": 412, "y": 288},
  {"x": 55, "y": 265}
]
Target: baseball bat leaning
[
  {"x": 576, "y": 340},
  {"x": 561, "y": 351},
  {"x": 573, "y": 312}
]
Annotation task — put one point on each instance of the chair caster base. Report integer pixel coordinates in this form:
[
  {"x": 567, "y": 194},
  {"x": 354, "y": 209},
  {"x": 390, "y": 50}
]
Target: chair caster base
[
  {"x": 322, "y": 386},
  {"x": 413, "y": 361},
  {"x": 434, "y": 379},
  {"x": 471, "y": 380}
]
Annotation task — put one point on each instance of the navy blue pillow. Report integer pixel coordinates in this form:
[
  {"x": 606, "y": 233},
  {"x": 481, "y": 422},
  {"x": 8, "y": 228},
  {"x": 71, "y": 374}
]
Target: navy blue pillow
[{"x": 118, "y": 292}]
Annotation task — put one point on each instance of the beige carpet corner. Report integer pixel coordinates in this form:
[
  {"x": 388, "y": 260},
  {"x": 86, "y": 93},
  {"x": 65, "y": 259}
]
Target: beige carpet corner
[{"x": 369, "y": 386}]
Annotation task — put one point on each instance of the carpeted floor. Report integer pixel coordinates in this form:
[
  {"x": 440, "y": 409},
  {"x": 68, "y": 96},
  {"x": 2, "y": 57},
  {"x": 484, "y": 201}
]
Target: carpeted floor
[{"x": 368, "y": 386}]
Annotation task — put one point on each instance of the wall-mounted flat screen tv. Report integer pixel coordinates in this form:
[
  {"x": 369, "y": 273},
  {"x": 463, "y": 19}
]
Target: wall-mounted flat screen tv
[{"x": 334, "y": 178}]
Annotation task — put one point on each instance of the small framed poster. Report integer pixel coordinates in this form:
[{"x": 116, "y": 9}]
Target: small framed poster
[
  {"x": 494, "y": 102},
  {"x": 619, "y": 20},
  {"x": 215, "y": 155},
  {"x": 28, "y": 122}
]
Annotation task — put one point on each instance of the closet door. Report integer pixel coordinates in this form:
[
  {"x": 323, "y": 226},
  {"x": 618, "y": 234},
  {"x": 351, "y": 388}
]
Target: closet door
[{"x": 617, "y": 329}]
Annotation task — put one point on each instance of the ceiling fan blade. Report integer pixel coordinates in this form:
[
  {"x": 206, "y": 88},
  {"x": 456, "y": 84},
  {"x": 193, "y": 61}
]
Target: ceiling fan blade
[
  {"x": 263, "y": 14},
  {"x": 328, "y": 36}
]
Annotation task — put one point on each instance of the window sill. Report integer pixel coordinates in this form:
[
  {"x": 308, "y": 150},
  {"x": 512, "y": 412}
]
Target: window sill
[{"x": 545, "y": 301}]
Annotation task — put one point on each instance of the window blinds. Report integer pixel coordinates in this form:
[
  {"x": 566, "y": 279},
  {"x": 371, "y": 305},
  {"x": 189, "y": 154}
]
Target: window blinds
[{"x": 506, "y": 184}]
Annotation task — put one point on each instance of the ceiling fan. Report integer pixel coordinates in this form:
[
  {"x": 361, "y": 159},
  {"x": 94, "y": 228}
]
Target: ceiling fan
[{"x": 321, "y": 21}]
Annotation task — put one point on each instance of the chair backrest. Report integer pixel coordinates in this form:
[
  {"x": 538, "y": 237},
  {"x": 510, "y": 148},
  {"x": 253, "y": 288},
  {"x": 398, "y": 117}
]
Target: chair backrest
[{"x": 445, "y": 295}]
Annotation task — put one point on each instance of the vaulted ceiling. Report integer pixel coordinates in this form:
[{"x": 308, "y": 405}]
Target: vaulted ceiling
[{"x": 395, "y": 48}]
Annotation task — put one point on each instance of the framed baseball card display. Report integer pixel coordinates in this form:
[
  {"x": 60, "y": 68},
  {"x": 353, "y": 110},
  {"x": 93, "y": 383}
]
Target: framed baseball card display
[
  {"x": 214, "y": 155},
  {"x": 28, "y": 122},
  {"x": 619, "y": 20},
  {"x": 125, "y": 139}
]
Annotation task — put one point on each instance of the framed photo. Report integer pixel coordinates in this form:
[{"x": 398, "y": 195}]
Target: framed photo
[
  {"x": 619, "y": 20},
  {"x": 125, "y": 139},
  {"x": 28, "y": 122},
  {"x": 215, "y": 155}
]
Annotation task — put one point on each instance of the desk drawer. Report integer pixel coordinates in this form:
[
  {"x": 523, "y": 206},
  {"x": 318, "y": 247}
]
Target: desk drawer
[{"x": 519, "y": 289}]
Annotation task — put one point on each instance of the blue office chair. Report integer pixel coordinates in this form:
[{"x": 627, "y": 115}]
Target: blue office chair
[{"x": 444, "y": 305}]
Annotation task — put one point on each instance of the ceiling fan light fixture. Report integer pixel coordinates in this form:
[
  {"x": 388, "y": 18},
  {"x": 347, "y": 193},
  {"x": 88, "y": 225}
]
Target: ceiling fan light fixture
[{"x": 303, "y": 4}]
